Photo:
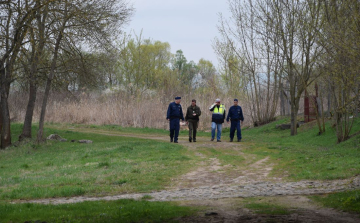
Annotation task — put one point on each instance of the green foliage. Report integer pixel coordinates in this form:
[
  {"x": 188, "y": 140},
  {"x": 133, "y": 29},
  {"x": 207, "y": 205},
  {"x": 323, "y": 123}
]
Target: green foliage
[
  {"x": 307, "y": 155},
  {"x": 99, "y": 211},
  {"x": 186, "y": 71},
  {"x": 346, "y": 201},
  {"x": 143, "y": 64}
]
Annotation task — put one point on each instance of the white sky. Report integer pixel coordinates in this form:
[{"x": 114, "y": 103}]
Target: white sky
[{"x": 189, "y": 25}]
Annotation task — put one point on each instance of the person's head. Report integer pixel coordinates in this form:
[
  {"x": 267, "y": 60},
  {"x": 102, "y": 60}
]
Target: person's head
[
  {"x": 193, "y": 102},
  {"x": 217, "y": 101},
  {"x": 177, "y": 100},
  {"x": 236, "y": 101}
]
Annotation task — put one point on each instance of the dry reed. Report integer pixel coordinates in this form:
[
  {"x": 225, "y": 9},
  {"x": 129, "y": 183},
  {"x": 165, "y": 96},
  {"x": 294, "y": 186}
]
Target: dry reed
[{"x": 115, "y": 109}]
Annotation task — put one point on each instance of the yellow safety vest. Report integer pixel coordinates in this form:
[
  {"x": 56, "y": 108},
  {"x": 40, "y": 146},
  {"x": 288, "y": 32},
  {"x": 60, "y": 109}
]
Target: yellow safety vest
[{"x": 219, "y": 110}]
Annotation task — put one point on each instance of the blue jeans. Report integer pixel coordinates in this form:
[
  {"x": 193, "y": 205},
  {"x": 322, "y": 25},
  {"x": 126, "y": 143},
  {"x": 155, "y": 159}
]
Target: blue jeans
[
  {"x": 213, "y": 127},
  {"x": 235, "y": 125}
]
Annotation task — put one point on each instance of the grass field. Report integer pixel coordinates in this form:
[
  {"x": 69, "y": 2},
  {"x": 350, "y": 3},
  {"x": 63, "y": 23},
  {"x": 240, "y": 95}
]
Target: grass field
[
  {"x": 95, "y": 211},
  {"x": 110, "y": 165},
  {"x": 306, "y": 155},
  {"x": 119, "y": 164},
  {"x": 347, "y": 201}
]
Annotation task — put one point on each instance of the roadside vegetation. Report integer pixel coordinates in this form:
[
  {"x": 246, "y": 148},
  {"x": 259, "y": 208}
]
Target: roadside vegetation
[
  {"x": 116, "y": 164},
  {"x": 348, "y": 201},
  {"x": 110, "y": 165},
  {"x": 307, "y": 155},
  {"x": 95, "y": 211}
]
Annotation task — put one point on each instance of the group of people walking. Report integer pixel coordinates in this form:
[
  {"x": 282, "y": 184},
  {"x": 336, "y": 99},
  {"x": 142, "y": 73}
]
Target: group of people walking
[{"x": 175, "y": 113}]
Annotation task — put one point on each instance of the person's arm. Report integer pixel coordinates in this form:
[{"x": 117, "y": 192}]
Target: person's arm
[
  {"x": 224, "y": 114},
  {"x": 181, "y": 114},
  {"x": 227, "y": 118},
  {"x": 168, "y": 112},
  {"x": 187, "y": 113},
  {"x": 241, "y": 115},
  {"x": 212, "y": 107},
  {"x": 199, "y": 112}
]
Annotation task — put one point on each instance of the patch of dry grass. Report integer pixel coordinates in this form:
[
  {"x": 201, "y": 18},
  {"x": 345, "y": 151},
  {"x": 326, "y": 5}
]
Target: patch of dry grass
[{"x": 115, "y": 108}]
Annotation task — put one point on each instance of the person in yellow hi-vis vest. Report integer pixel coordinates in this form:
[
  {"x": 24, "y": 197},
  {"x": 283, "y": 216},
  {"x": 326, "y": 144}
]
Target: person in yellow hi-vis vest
[{"x": 218, "y": 117}]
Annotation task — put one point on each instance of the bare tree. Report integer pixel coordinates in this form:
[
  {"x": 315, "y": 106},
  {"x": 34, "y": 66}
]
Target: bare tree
[
  {"x": 37, "y": 40},
  {"x": 81, "y": 22},
  {"x": 249, "y": 38},
  {"x": 16, "y": 18},
  {"x": 297, "y": 25},
  {"x": 340, "y": 38}
]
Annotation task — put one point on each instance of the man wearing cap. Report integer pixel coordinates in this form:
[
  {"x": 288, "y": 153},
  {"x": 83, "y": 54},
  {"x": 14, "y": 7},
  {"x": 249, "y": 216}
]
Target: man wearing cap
[
  {"x": 217, "y": 119},
  {"x": 174, "y": 114},
  {"x": 192, "y": 118},
  {"x": 235, "y": 115}
]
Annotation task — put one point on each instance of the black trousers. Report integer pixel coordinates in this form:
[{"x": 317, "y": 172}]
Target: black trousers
[
  {"x": 193, "y": 125},
  {"x": 174, "y": 128}
]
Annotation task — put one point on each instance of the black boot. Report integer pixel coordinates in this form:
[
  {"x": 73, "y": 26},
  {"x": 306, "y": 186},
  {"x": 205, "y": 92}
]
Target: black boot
[
  {"x": 194, "y": 140},
  {"x": 190, "y": 139},
  {"x": 171, "y": 139}
]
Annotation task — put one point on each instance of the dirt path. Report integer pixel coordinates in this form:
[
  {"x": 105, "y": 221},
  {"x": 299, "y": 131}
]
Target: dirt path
[{"x": 222, "y": 189}]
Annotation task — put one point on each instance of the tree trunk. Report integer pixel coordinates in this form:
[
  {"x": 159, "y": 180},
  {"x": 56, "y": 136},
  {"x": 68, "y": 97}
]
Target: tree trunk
[
  {"x": 1, "y": 119},
  {"x": 339, "y": 129},
  {"x": 26, "y": 133},
  {"x": 48, "y": 85},
  {"x": 37, "y": 53},
  {"x": 282, "y": 101},
  {"x": 293, "y": 115},
  {"x": 40, "y": 134},
  {"x": 6, "y": 129},
  {"x": 329, "y": 101},
  {"x": 357, "y": 102}
]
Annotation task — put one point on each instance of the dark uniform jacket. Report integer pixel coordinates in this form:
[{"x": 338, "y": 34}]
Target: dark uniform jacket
[
  {"x": 191, "y": 110},
  {"x": 174, "y": 111},
  {"x": 235, "y": 114}
]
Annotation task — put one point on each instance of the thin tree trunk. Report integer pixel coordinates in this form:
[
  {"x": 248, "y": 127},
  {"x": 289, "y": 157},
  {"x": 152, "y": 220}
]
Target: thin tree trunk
[
  {"x": 329, "y": 101},
  {"x": 37, "y": 53},
  {"x": 1, "y": 118},
  {"x": 339, "y": 130},
  {"x": 282, "y": 101},
  {"x": 48, "y": 84},
  {"x": 6, "y": 129},
  {"x": 26, "y": 133},
  {"x": 357, "y": 102},
  {"x": 293, "y": 118},
  {"x": 45, "y": 99}
]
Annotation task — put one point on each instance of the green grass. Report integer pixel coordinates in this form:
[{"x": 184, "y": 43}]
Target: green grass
[
  {"x": 347, "y": 201},
  {"x": 110, "y": 165},
  {"x": 114, "y": 165},
  {"x": 96, "y": 211},
  {"x": 306, "y": 155}
]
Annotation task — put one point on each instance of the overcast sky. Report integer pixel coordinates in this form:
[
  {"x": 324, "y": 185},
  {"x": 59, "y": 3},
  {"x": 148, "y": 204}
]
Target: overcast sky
[{"x": 189, "y": 25}]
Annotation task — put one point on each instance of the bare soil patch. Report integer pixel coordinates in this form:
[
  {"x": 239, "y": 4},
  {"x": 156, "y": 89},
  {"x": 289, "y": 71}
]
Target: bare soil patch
[{"x": 233, "y": 210}]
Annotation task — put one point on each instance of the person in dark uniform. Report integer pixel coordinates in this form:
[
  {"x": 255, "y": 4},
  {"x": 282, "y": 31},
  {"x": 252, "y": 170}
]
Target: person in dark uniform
[
  {"x": 235, "y": 115},
  {"x": 192, "y": 118},
  {"x": 174, "y": 114}
]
